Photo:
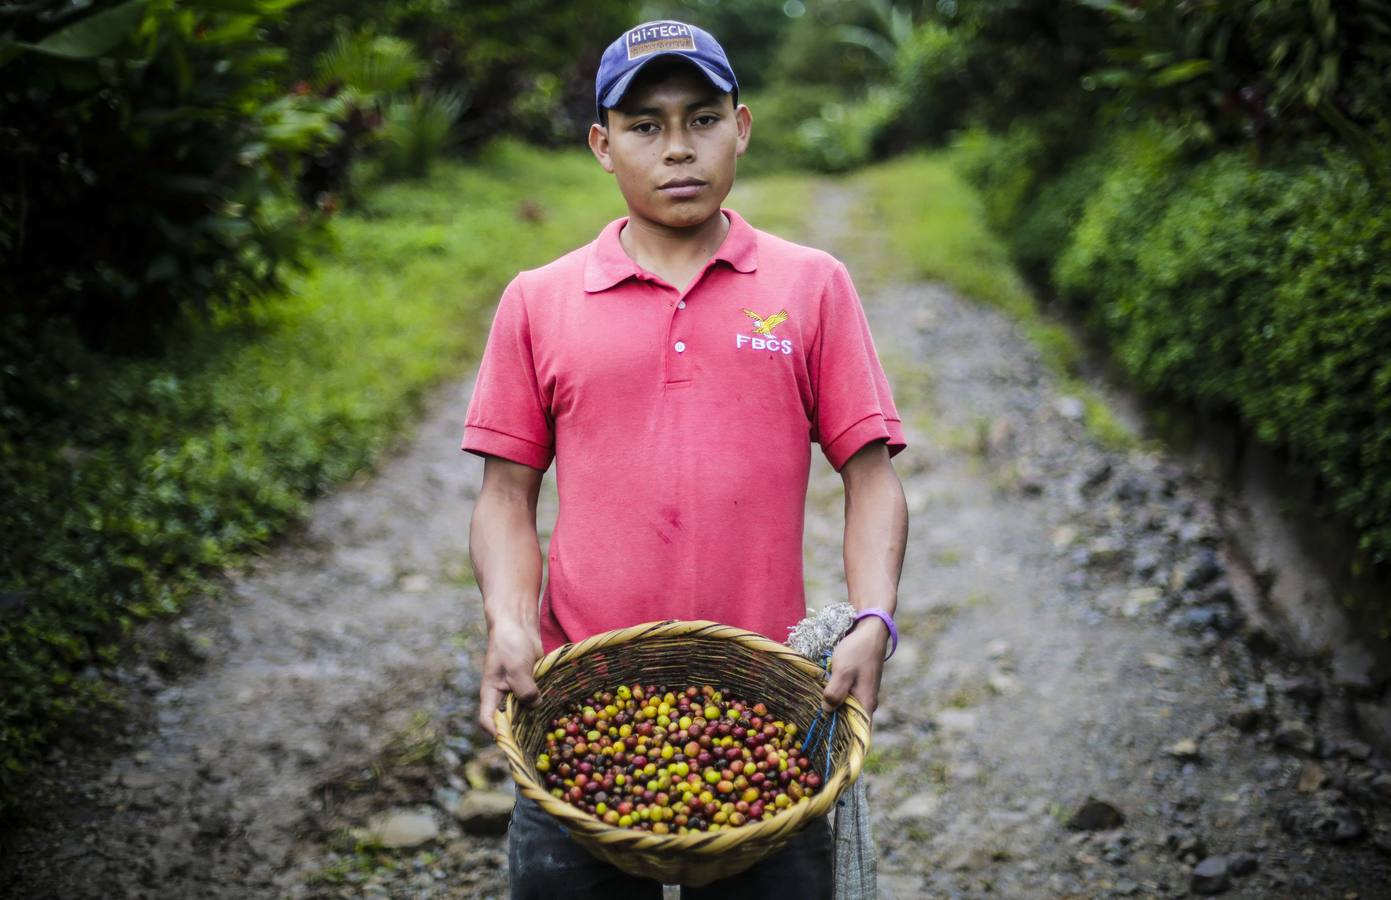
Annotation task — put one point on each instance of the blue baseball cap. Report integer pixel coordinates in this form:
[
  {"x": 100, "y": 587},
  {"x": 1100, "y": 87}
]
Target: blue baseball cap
[{"x": 643, "y": 43}]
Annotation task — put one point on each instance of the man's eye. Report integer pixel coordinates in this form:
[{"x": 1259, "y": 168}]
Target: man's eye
[
  {"x": 641, "y": 127},
  {"x": 706, "y": 119}
]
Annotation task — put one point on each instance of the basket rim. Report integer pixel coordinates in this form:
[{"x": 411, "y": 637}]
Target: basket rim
[{"x": 702, "y": 842}]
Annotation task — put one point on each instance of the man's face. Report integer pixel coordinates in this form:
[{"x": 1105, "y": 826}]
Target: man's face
[{"x": 672, "y": 145}]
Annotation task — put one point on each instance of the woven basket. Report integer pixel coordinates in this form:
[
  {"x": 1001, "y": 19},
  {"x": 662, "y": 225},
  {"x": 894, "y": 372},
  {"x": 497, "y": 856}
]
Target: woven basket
[{"x": 676, "y": 654}]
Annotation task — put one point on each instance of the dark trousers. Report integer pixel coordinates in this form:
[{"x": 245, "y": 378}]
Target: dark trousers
[{"x": 544, "y": 863}]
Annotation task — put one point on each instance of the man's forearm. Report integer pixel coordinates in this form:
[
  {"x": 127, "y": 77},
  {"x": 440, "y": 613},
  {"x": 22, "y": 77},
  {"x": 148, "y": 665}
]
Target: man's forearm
[
  {"x": 506, "y": 554},
  {"x": 876, "y": 532},
  {"x": 507, "y": 565},
  {"x": 876, "y": 529}
]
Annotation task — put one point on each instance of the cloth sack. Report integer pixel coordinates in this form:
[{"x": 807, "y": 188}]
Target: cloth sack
[{"x": 854, "y": 864}]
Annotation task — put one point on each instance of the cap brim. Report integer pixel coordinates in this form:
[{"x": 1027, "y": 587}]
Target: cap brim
[{"x": 620, "y": 87}]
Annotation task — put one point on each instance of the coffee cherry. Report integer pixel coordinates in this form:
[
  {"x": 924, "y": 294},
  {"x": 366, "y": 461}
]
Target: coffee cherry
[{"x": 644, "y": 757}]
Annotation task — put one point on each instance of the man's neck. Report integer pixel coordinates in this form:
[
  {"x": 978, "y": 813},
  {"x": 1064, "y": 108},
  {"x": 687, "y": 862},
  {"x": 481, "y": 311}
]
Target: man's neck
[{"x": 675, "y": 254}]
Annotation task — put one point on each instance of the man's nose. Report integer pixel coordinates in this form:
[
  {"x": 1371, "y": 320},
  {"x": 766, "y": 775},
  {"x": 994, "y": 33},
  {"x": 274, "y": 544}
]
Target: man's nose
[{"x": 679, "y": 146}]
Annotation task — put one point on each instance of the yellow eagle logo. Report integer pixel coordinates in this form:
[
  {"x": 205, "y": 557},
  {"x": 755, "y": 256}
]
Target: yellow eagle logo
[{"x": 766, "y": 326}]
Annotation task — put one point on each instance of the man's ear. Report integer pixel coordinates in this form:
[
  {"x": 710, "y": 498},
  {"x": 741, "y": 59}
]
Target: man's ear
[
  {"x": 599, "y": 146},
  {"x": 743, "y": 121}
]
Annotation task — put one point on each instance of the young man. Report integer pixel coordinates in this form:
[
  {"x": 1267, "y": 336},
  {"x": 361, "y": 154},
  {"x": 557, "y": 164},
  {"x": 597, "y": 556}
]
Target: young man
[{"x": 676, "y": 369}]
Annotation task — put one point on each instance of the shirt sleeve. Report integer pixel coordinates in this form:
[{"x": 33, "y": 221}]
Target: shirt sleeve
[
  {"x": 508, "y": 414},
  {"x": 853, "y": 403}
]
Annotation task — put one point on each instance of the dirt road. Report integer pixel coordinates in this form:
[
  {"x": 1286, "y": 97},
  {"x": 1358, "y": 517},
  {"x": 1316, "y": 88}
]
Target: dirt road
[{"x": 1076, "y": 708}]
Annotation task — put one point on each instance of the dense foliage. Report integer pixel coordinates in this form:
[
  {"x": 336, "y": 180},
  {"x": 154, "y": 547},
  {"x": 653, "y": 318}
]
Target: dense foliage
[
  {"x": 143, "y": 146},
  {"x": 522, "y": 67},
  {"x": 154, "y": 156},
  {"x": 1218, "y": 214},
  {"x": 133, "y": 479},
  {"x": 1262, "y": 291},
  {"x": 1226, "y": 71}
]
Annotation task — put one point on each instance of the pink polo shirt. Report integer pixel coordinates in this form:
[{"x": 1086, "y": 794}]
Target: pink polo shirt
[{"x": 680, "y": 424}]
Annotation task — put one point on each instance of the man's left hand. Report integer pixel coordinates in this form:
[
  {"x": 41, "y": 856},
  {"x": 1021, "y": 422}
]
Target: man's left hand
[{"x": 857, "y": 664}]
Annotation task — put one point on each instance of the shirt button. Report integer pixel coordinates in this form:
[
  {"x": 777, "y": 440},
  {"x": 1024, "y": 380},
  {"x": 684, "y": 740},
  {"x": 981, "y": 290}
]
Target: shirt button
[
  {"x": 681, "y": 303},
  {"x": 680, "y": 346}
]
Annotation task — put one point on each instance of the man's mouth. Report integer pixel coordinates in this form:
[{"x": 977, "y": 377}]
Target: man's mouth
[{"x": 682, "y": 187}]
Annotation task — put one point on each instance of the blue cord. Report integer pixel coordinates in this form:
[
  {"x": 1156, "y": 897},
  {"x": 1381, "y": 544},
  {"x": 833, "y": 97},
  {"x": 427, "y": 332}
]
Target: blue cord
[
  {"x": 828, "y": 735},
  {"x": 830, "y": 740},
  {"x": 810, "y": 737}
]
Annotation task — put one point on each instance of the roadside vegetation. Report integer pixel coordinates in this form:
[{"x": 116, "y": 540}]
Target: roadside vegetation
[
  {"x": 139, "y": 478},
  {"x": 1203, "y": 187}
]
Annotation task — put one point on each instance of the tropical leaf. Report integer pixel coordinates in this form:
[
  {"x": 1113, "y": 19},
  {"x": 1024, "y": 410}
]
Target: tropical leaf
[
  {"x": 1182, "y": 71},
  {"x": 373, "y": 64},
  {"x": 93, "y": 36},
  {"x": 872, "y": 41}
]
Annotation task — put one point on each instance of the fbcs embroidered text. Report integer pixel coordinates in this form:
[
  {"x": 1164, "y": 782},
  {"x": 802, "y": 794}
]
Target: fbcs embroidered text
[{"x": 762, "y": 327}]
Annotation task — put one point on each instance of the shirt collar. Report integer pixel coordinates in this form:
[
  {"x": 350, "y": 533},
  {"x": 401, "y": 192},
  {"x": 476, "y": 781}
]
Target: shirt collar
[{"x": 609, "y": 264}]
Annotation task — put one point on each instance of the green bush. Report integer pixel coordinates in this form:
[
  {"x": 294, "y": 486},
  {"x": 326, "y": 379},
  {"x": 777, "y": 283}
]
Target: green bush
[
  {"x": 129, "y": 481},
  {"x": 778, "y": 113},
  {"x": 926, "y": 67},
  {"x": 415, "y": 130},
  {"x": 814, "y": 49},
  {"x": 1228, "y": 71},
  {"x": 144, "y": 149},
  {"x": 844, "y": 133},
  {"x": 502, "y": 56},
  {"x": 1044, "y": 227},
  {"x": 815, "y": 127},
  {"x": 991, "y": 62},
  {"x": 1016, "y": 172},
  {"x": 1261, "y": 291},
  {"x": 1003, "y": 167}
]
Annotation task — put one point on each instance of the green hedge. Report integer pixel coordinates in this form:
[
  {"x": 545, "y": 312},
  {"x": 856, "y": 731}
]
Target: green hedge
[
  {"x": 128, "y": 482},
  {"x": 1260, "y": 290},
  {"x": 814, "y": 127},
  {"x": 147, "y": 151}
]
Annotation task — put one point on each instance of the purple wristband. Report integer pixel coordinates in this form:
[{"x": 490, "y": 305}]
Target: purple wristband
[{"x": 888, "y": 620}]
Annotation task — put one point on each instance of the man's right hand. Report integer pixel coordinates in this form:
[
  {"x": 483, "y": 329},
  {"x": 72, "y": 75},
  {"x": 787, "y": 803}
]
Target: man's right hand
[{"x": 512, "y": 653}]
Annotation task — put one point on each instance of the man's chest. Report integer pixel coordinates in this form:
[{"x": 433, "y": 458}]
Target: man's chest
[{"x": 615, "y": 351}]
